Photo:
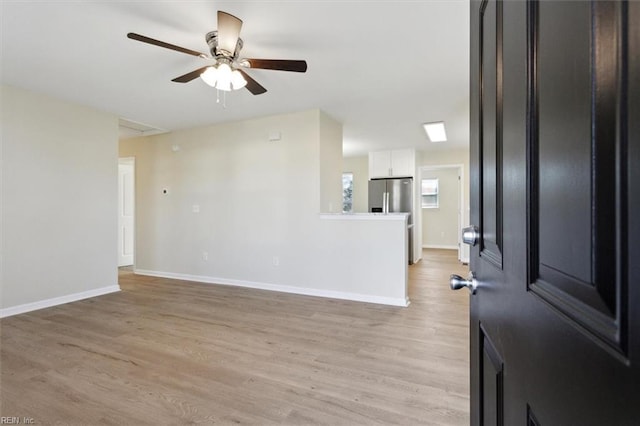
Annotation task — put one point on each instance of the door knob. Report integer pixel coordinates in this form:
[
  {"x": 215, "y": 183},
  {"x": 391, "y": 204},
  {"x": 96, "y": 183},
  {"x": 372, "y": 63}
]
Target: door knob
[
  {"x": 470, "y": 235},
  {"x": 456, "y": 282}
]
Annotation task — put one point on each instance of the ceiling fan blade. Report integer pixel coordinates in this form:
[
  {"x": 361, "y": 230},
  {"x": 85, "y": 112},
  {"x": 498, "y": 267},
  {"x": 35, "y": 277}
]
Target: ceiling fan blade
[
  {"x": 145, "y": 39},
  {"x": 252, "y": 85},
  {"x": 228, "y": 32},
  {"x": 190, "y": 75},
  {"x": 278, "y": 64}
]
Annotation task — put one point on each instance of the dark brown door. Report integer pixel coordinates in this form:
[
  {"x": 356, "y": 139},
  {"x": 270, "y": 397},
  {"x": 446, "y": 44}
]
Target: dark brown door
[{"x": 555, "y": 181}]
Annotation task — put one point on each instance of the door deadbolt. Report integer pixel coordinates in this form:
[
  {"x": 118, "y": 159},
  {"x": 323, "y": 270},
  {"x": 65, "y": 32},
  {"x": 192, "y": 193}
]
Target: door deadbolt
[{"x": 470, "y": 235}]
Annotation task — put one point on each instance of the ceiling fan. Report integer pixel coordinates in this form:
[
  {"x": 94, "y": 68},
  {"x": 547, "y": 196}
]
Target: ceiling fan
[{"x": 227, "y": 72}]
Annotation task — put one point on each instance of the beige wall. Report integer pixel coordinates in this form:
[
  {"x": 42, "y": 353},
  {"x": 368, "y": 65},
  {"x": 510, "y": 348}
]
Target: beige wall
[
  {"x": 447, "y": 157},
  {"x": 330, "y": 134},
  {"x": 59, "y": 201},
  {"x": 440, "y": 225},
  {"x": 359, "y": 166},
  {"x": 254, "y": 196}
]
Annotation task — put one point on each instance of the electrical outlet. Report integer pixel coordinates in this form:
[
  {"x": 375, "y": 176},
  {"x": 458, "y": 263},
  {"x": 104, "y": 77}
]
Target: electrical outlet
[
  {"x": 276, "y": 261},
  {"x": 275, "y": 136},
  {"x": 195, "y": 208},
  {"x": 205, "y": 256}
]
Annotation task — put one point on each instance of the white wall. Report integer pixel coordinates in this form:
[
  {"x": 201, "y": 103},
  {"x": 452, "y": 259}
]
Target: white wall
[
  {"x": 364, "y": 256},
  {"x": 440, "y": 225},
  {"x": 59, "y": 201},
  {"x": 259, "y": 207},
  {"x": 359, "y": 166}
]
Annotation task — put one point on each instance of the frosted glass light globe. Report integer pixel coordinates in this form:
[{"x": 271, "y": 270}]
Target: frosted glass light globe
[
  {"x": 210, "y": 76},
  {"x": 224, "y": 77},
  {"x": 237, "y": 80}
]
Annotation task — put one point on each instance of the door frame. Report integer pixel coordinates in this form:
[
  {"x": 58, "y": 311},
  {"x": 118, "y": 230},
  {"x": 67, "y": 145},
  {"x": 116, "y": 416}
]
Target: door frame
[
  {"x": 130, "y": 161},
  {"x": 463, "y": 250}
]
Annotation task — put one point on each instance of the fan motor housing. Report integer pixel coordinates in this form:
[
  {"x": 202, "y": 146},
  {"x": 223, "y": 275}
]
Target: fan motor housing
[{"x": 212, "y": 42}]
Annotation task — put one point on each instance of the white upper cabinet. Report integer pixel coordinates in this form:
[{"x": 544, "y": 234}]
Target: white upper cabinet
[
  {"x": 394, "y": 163},
  {"x": 379, "y": 164},
  {"x": 403, "y": 162}
]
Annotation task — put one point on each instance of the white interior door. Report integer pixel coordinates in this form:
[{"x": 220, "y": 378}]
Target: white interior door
[{"x": 125, "y": 211}]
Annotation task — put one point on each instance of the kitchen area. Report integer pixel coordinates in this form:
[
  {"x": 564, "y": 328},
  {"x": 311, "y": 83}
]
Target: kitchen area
[
  {"x": 377, "y": 226},
  {"x": 384, "y": 183}
]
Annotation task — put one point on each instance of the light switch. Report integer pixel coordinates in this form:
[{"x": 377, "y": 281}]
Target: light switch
[{"x": 195, "y": 208}]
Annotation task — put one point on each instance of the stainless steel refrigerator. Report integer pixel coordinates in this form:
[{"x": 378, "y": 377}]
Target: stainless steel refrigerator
[{"x": 393, "y": 196}]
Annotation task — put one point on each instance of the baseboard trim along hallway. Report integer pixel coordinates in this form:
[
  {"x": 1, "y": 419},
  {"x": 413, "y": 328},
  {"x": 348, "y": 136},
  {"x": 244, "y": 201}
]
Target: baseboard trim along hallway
[{"x": 277, "y": 287}]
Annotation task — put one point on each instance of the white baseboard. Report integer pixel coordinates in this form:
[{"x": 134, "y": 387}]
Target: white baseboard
[
  {"x": 281, "y": 288},
  {"x": 34, "y": 306},
  {"x": 431, "y": 246},
  {"x": 436, "y": 246}
]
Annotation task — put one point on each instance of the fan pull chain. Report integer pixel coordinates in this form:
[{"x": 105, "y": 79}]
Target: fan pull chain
[{"x": 224, "y": 98}]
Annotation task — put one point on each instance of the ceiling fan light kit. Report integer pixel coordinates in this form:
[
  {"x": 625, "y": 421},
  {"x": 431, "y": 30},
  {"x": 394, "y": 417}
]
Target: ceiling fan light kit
[
  {"x": 222, "y": 78},
  {"x": 225, "y": 44}
]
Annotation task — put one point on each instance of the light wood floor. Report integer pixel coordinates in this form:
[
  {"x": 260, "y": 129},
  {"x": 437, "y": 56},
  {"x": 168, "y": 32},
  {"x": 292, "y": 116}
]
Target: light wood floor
[{"x": 173, "y": 352}]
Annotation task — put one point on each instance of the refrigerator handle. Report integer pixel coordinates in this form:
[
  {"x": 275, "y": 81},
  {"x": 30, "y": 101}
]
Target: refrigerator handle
[{"x": 385, "y": 203}]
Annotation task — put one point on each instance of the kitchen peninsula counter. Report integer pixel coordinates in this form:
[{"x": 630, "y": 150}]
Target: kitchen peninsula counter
[{"x": 367, "y": 252}]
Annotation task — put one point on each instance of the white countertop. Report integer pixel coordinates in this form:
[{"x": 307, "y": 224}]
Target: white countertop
[{"x": 364, "y": 216}]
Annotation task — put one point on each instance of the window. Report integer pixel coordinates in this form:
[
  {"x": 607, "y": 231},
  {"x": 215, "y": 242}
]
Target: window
[
  {"x": 429, "y": 193},
  {"x": 347, "y": 192}
]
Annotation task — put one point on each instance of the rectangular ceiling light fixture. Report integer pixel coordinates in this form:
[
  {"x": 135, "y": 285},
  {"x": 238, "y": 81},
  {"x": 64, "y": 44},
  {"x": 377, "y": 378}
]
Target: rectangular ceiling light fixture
[{"x": 435, "y": 131}]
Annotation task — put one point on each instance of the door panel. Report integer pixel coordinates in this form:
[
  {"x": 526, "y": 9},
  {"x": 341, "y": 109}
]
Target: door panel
[
  {"x": 577, "y": 240},
  {"x": 555, "y": 177},
  {"x": 491, "y": 131},
  {"x": 563, "y": 90},
  {"x": 492, "y": 383}
]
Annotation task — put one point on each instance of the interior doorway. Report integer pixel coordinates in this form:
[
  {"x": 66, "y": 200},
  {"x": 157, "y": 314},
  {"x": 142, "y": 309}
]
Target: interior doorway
[
  {"x": 126, "y": 211},
  {"x": 442, "y": 208}
]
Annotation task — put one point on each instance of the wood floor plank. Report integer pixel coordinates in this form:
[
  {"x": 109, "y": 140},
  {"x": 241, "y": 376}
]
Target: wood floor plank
[{"x": 173, "y": 352}]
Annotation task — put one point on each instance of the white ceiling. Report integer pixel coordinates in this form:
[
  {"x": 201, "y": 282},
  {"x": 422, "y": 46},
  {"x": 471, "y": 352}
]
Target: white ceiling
[{"x": 380, "y": 67}]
